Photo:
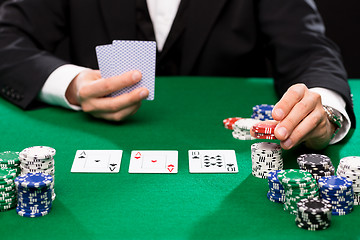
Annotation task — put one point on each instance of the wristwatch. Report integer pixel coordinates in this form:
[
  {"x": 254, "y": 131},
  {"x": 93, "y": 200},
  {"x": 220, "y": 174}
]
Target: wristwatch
[{"x": 334, "y": 118}]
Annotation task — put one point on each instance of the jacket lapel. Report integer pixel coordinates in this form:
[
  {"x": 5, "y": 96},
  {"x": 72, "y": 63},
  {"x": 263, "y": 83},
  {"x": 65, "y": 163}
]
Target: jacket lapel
[
  {"x": 201, "y": 16},
  {"x": 120, "y": 18}
]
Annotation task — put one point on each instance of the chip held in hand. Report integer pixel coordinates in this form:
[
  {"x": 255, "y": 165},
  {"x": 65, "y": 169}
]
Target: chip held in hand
[{"x": 264, "y": 130}]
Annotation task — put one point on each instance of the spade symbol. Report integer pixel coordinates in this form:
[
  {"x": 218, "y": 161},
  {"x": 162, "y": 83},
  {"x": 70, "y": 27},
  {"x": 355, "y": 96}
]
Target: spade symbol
[{"x": 112, "y": 166}]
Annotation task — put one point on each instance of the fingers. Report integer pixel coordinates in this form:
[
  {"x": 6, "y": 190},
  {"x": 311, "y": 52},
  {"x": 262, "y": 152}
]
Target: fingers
[
  {"x": 91, "y": 89},
  {"x": 311, "y": 127},
  {"x": 300, "y": 115},
  {"x": 115, "y": 104},
  {"x": 103, "y": 87},
  {"x": 119, "y": 115}
]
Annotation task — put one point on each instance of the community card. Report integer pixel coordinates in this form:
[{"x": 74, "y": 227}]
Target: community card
[
  {"x": 105, "y": 57},
  {"x": 153, "y": 162},
  {"x": 97, "y": 161},
  {"x": 212, "y": 161}
]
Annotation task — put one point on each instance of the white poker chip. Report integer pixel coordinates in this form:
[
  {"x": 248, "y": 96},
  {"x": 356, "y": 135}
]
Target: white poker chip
[
  {"x": 38, "y": 152},
  {"x": 245, "y": 124}
]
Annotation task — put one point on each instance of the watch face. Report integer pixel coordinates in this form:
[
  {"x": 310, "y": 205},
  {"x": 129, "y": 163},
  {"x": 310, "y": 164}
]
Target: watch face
[{"x": 333, "y": 117}]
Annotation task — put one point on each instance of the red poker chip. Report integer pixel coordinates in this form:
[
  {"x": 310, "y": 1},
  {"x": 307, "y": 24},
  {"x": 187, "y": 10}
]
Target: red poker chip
[
  {"x": 229, "y": 122},
  {"x": 264, "y": 136},
  {"x": 267, "y": 127}
]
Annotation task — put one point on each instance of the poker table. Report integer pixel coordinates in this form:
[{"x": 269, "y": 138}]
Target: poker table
[{"x": 186, "y": 114}]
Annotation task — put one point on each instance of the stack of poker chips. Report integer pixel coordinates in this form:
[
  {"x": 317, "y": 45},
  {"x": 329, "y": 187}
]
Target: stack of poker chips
[
  {"x": 298, "y": 185},
  {"x": 262, "y": 112},
  {"x": 318, "y": 165},
  {"x": 265, "y": 130},
  {"x": 339, "y": 192},
  {"x": 242, "y": 128},
  {"x": 276, "y": 190},
  {"x": 229, "y": 122},
  {"x": 10, "y": 160},
  {"x": 266, "y": 157},
  {"x": 34, "y": 194},
  {"x": 38, "y": 159},
  {"x": 7, "y": 189},
  {"x": 313, "y": 214},
  {"x": 349, "y": 167}
]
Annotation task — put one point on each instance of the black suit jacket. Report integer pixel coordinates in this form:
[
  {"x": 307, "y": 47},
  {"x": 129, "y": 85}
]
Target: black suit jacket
[{"x": 209, "y": 37}]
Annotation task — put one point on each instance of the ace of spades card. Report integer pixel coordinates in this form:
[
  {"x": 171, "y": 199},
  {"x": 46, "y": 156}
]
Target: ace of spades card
[{"x": 97, "y": 161}]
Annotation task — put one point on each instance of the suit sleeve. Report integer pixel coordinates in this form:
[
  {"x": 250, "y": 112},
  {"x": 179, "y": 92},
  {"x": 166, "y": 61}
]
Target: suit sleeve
[
  {"x": 29, "y": 31},
  {"x": 298, "y": 49}
]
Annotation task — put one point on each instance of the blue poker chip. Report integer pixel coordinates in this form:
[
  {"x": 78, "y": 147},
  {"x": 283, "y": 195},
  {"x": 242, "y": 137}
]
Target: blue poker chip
[
  {"x": 34, "y": 180},
  {"x": 334, "y": 183},
  {"x": 26, "y": 214},
  {"x": 34, "y": 209},
  {"x": 34, "y": 201},
  {"x": 263, "y": 118},
  {"x": 37, "y": 196},
  {"x": 263, "y": 108},
  {"x": 272, "y": 176},
  {"x": 340, "y": 213},
  {"x": 278, "y": 199}
]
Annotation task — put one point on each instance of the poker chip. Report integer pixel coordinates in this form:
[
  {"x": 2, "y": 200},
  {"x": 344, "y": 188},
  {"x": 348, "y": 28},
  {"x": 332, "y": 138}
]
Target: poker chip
[
  {"x": 38, "y": 159},
  {"x": 317, "y": 164},
  {"x": 349, "y": 167},
  {"x": 338, "y": 191},
  {"x": 298, "y": 184},
  {"x": 265, "y": 130},
  {"x": 38, "y": 152},
  {"x": 262, "y": 112},
  {"x": 276, "y": 190},
  {"x": 7, "y": 189},
  {"x": 10, "y": 159},
  {"x": 266, "y": 127},
  {"x": 313, "y": 214},
  {"x": 242, "y": 128},
  {"x": 34, "y": 194},
  {"x": 229, "y": 122},
  {"x": 264, "y": 136},
  {"x": 266, "y": 157}
]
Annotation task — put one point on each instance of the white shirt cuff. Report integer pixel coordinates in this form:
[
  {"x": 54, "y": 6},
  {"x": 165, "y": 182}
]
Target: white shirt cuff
[
  {"x": 54, "y": 89},
  {"x": 334, "y": 100}
]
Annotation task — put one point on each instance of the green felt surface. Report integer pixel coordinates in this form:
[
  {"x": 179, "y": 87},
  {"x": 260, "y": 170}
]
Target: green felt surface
[{"x": 187, "y": 114}]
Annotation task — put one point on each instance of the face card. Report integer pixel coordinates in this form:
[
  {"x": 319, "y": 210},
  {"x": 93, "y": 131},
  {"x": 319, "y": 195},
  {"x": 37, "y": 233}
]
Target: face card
[
  {"x": 153, "y": 162},
  {"x": 212, "y": 161},
  {"x": 97, "y": 161},
  {"x": 105, "y": 57},
  {"x": 135, "y": 55}
]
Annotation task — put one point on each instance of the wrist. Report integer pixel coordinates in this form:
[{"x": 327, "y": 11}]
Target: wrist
[
  {"x": 71, "y": 92},
  {"x": 335, "y": 119}
]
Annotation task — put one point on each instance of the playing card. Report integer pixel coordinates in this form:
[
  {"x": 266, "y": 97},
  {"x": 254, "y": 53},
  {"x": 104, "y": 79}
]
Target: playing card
[
  {"x": 97, "y": 161},
  {"x": 153, "y": 162},
  {"x": 135, "y": 55},
  {"x": 105, "y": 57},
  {"x": 212, "y": 161}
]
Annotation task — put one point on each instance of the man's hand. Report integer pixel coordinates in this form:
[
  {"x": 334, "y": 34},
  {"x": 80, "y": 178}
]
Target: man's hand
[
  {"x": 88, "y": 90},
  {"x": 302, "y": 119}
]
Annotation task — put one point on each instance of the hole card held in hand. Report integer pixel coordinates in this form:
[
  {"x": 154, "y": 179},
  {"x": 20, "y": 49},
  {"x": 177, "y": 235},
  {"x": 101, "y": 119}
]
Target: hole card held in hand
[{"x": 123, "y": 56}]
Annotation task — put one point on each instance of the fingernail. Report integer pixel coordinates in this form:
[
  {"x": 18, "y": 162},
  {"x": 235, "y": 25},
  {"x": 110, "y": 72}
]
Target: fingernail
[
  {"x": 282, "y": 132},
  {"x": 143, "y": 94},
  {"x": 287, "y": 143},
  {"x": 136, "y": 76},
  {"x": 279, "y": 113}
]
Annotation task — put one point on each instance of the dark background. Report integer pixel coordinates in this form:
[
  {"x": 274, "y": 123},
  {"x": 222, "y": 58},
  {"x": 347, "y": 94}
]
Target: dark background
[{"x": 342, "y": 20}]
